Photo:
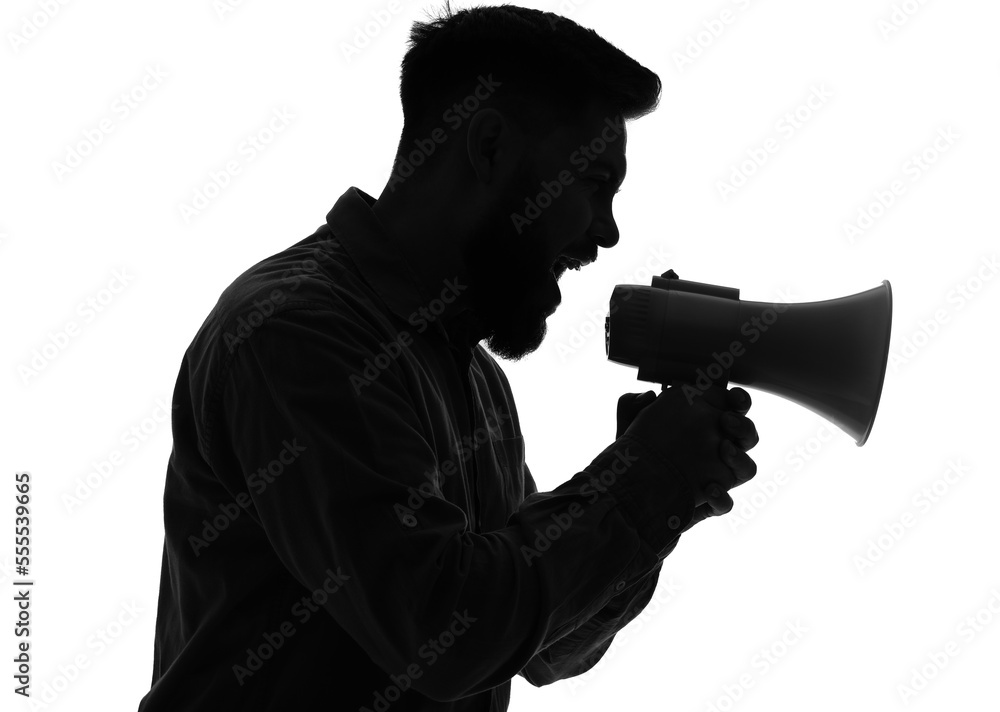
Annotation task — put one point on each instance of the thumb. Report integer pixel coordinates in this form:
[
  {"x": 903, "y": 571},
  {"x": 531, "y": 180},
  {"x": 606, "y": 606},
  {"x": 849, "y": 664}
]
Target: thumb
[
  {"x": 629, "y": 406},
  {"x": 701, "y": 513}
]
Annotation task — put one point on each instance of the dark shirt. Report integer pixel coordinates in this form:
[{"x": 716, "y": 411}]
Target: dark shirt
[{"x": 349, "y": 520}]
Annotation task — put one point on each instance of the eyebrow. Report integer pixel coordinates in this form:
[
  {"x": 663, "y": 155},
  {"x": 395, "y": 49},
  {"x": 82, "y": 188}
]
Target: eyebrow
[{"x": 612, "y": 169}]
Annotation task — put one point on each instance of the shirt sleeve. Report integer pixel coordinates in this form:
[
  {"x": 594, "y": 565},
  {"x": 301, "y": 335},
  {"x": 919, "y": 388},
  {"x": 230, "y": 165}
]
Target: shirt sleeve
[
  {"x": 457, "y": 611},
  {"x": 577, "y": 652}
]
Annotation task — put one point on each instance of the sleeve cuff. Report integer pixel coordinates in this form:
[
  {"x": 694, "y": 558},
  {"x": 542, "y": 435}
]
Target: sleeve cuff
[{"x": 651, "y": 493}]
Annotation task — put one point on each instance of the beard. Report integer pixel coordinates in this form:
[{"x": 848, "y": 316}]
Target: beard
[{"x": 512, "y": 286}]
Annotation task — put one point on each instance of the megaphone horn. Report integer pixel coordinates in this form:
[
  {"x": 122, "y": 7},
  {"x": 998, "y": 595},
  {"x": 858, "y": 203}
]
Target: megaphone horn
[{"x": 828, "y": 356}]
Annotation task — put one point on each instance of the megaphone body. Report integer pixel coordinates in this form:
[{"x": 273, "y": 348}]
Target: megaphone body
[{"x": 828, "y": 356}]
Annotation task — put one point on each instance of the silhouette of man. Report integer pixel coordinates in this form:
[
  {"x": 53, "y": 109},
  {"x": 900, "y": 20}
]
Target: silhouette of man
[{"x": 349, "y": 520}]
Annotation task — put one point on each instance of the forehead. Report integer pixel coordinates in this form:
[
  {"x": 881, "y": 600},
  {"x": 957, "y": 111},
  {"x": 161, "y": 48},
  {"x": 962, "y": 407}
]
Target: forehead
[{"x": 600, "y": 136}]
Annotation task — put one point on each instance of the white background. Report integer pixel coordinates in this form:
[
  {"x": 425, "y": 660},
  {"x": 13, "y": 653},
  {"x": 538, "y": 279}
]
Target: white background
[{"x": 787, "y": 555}]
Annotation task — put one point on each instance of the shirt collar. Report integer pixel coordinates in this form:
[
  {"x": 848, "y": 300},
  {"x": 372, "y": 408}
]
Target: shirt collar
[{"x": 380, "y": 259}]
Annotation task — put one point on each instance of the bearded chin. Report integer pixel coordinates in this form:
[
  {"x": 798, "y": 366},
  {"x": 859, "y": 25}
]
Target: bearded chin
[
  {"x": 509, "y": 282},
  {"x": 514, "y": 338}
]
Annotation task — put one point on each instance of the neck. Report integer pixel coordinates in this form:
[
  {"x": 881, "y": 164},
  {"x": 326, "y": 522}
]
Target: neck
[{"x": 427, "y": 228}]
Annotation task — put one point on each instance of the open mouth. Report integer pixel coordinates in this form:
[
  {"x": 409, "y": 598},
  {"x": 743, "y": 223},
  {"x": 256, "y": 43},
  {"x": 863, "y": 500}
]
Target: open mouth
[{"x": 564, "y": 262}]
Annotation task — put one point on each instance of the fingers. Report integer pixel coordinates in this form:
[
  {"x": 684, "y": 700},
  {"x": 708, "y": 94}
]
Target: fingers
[
  {"x": 706, "y": 510},
  {"x": 741, "y": 464},
  {"x": 629, "y": 406},
  {"x": 718, "y": 500},
  {"x": 742, "y": 436},
  {"x": 740, "y": 429},
  {"x": 738, "y": 399},
  {"x": 701, "y": 513},
  {"x": 644, "y": 399}
]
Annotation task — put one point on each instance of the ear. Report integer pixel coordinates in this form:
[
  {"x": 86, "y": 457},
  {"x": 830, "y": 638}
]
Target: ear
[{"x": 491, "y": 145}]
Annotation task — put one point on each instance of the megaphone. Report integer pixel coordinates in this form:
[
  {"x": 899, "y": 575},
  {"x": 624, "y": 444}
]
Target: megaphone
[{"x": 828, "y": 356}]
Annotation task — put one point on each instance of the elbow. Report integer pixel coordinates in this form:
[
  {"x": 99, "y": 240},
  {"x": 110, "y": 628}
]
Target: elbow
[
  {"x": 542, "y": 670},
  {"x": 455, "y": 677},
  {"x": 444, "y": 685},
  {"x": 538, "y": 672},
  {"x": 440, "y": 674},
  {"x": 451, "y": 666},
  {"x": 440, "y": 685}
]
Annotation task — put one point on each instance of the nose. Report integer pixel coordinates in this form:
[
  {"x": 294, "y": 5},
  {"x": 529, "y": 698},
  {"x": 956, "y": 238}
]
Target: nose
[{"x": 605, "y": 234}]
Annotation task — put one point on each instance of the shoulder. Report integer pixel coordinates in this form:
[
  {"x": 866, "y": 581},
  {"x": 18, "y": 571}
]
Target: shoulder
[{"x": 315, "y": 276}]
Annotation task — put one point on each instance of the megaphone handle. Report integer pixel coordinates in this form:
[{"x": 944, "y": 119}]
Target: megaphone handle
[{"x": 715, "y": 395}]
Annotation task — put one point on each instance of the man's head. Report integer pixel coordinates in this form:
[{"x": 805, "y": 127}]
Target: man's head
[{"x": 514, "y": 143}]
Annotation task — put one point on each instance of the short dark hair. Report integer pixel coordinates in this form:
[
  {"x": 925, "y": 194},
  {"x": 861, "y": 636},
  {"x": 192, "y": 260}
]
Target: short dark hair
[{"x": 550, "y": 69}]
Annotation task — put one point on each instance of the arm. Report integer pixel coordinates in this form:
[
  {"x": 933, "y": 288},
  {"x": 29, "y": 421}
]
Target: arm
[
  {"x": 416, "y": 581},
  {"x": 580, "y": 650}
]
